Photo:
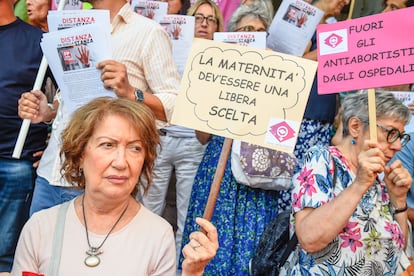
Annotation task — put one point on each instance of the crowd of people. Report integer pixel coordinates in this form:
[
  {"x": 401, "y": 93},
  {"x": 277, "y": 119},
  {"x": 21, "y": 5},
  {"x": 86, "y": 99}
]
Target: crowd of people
[{"x": 87, "y": 194}]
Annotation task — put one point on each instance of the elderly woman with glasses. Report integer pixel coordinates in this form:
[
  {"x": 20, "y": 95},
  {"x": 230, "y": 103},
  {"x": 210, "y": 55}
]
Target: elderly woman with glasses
[
  {"x": 253, "y": 17},
  {"x": 357, "y": 225}
]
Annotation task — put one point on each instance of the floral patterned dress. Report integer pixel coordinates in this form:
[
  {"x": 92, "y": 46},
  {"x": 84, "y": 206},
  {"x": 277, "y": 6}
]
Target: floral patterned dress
[
  {"x": 371, "y": 242},
  {"x": 241, "y": 213}
]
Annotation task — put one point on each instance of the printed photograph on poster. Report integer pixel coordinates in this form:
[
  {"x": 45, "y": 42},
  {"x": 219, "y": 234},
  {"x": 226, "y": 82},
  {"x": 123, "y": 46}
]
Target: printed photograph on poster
[
  {"x": 180, "y": 29},
  {"x": 76, "y": 57},
  {"x": 154, "y": 10},
  {"x": 293, "y": 27},
  {"x": 69, "y": 5}
]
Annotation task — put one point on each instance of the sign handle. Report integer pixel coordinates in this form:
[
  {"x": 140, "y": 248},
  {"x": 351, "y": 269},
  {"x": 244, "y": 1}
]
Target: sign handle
[
  {"x": 372, "y": 113},
  {"x": 218, "y": 176},
  {"x": 351, "y": 9}
]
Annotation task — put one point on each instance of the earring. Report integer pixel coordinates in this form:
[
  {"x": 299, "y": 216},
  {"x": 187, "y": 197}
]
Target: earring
[
  {"x": 353, "y": 142},
  {"x": 80, "y": 171}
]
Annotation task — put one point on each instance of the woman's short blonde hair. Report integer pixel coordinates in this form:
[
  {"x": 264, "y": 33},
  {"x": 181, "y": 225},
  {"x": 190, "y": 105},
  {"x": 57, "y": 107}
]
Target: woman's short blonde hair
[
  {"x": 217, "y": 13},
  {"x": 83, "y": 124}
]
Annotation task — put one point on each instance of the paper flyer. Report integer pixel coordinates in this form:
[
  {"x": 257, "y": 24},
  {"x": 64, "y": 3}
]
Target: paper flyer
[
  {"x": 250, "y": 39},
  {"x": 154, "y": 10},
  {"x": 406, "y": 97},
  {"x": 59, "y": 20},
  {"x": 180, "y": 28},
  {"x": 293, "y": 27},
  {"x": 72, "y": 55},
  {"x": 69, "y": 5}
]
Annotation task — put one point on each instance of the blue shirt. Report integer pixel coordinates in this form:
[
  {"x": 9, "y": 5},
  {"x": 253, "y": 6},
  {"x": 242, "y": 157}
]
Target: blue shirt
[{"x": 20, "y": 58}]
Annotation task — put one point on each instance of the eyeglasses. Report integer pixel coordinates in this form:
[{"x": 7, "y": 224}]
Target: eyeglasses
[
  {"x": 211, "y": 20},
  {"x": 250, "y": 28},
  {"x": 393, "y": 134}
]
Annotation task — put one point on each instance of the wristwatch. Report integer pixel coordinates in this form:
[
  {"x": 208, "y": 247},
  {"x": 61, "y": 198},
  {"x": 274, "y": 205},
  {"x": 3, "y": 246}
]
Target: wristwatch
[{"x": 139, "y": 95}]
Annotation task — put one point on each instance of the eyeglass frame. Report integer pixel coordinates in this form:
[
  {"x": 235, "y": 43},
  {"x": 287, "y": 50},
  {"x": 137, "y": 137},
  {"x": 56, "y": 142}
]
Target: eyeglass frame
[
  {"x": 212, "y": 18},
  {"x": 404, "y": 137},
  {"x": 252, "y": 29},
  {"x": 400, "y": 135},
  {"x": 247, "y": 27}
]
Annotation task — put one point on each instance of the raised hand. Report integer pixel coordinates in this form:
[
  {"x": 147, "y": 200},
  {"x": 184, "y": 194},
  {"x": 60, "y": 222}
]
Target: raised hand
[
  {"x": 83, "y": 55},
  {"x": 201, "y": 249}
]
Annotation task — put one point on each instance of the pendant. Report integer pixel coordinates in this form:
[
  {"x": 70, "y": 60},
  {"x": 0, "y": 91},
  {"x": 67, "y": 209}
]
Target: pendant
[{"x": 92, "y": 261}]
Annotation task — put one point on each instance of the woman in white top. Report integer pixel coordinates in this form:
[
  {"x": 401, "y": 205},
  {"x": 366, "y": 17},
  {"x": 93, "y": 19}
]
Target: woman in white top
[{"x": 108, "y": 144}]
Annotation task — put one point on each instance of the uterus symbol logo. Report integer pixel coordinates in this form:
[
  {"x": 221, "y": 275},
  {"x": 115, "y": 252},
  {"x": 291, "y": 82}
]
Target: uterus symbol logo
[
  {"x": 333, "y": 40},
  {"x": 282, "y": 131}
]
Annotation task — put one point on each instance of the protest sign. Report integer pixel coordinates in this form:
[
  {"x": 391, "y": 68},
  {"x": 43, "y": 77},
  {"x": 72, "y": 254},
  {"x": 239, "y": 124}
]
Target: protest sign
[
  {"x": 72, "y": 55},
  {"x": 59, "y": 20},
  {"x": 406, "y": 97},
  {"x": 154, "y": 10},
  {"x": 248, "y": 39},
  {"x": 69, "y": 5},
  {"x": 257, "y": 96},
  {"x": 180, "y": 29},
  {"x": 368, "y": 52},
  {"x": 293, "y": 26}
]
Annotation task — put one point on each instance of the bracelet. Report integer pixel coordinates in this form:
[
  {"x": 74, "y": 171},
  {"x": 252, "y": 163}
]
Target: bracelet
[
  {"x": 51, "y": 106},
  {"x": 400, "y": 210}
]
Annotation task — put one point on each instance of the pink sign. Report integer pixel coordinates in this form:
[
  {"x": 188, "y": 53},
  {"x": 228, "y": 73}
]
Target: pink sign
[{"x": 368, "y": 52}]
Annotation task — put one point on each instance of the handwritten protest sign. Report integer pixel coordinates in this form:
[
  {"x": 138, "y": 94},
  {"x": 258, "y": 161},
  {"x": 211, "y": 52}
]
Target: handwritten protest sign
[
  {"x": 368, "y": 52},
  {"x": 253, "y": 95}
]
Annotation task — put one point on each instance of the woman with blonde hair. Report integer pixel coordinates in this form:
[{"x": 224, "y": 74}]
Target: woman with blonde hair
[{"x": 208, "y": 18}]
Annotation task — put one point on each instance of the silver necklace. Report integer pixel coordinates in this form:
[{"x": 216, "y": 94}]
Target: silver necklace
[{"x": 93, "y": 252}]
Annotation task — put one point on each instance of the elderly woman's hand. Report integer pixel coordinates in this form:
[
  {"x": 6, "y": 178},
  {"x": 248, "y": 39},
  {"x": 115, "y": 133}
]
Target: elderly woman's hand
[
  {"x": 398, "y": 181},
  {"x": 201, "y": 249},
  {"x": 371, "y": 162}
]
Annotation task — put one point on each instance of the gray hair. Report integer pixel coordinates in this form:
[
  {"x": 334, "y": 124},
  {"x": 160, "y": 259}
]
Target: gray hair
[
  {"x": 387, "y": 106},
  {"x": 257, "y": 10}
]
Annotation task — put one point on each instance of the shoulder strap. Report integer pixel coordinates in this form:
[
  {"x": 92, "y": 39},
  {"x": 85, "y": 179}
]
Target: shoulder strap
[
  {"x": 335, "y": 172},
  {"x": 58, "y": 240},
  {"x": 291, "y": 245}
]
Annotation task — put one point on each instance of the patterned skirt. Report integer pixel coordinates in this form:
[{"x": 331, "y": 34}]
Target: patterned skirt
[{"x": 241, "y": 213}]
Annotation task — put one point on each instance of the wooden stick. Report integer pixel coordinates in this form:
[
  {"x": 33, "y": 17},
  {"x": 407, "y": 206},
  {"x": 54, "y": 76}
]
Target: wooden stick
[
  {"x": 372, "y": 113},
  {"x": 218, "y": 177},
  {"x": 351, "y": 9}
]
